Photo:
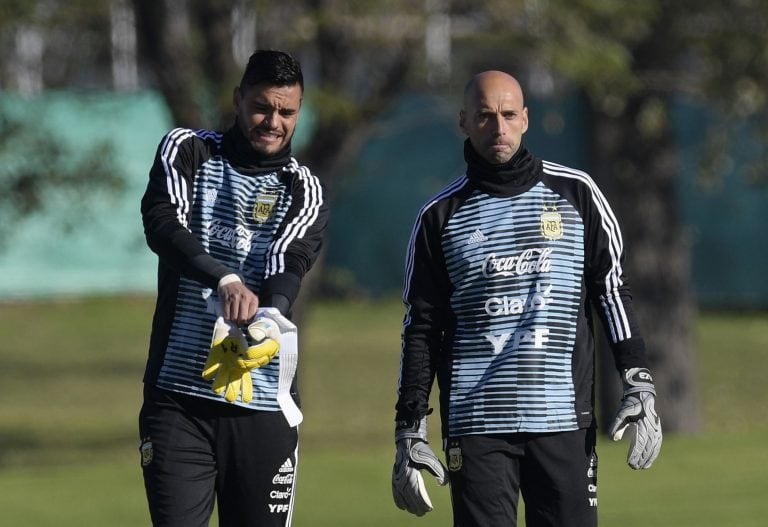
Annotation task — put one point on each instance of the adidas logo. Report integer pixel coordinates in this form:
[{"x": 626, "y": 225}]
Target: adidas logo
[
  {"x": 477, "y": 237},
  {"x": 287, "y": 466}
]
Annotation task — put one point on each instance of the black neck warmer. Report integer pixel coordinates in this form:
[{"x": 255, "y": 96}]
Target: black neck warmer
[
  {"x": 244, "y": 158},
  {"x": 513, "y": 177}
]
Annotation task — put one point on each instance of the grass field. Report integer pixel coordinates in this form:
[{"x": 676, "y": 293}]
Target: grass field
[{"x": 70, "y": 388}]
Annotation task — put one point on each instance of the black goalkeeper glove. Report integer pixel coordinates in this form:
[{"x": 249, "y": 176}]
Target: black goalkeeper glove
[{"x": 638, "y": 411}]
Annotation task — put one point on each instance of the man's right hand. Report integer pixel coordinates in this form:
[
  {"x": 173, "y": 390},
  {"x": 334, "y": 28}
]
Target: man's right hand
[
  {"x": 414, "y": 455},
  {"x": 238, "y": 303}
]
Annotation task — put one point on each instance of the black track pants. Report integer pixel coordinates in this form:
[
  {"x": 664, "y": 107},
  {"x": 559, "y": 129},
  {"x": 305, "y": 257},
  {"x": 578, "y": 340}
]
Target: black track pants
[
  {"x": 556, "y": 474},
  {"x": 195, "y": 451}
]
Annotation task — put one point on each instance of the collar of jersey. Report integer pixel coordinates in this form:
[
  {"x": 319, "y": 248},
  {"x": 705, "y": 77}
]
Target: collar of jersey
[{"x": 507, "y": 179}]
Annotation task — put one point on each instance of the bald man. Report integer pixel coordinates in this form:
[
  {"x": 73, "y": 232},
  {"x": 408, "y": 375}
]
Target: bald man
[
  {"x": 494, "y": 116},
  {"x": 503, "y": 270}
]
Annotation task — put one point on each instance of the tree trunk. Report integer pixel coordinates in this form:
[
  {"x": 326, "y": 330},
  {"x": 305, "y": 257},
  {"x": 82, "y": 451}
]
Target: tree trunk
[
  {"x": 166, "y": 47},
  {"x": 635, "y": 164}
]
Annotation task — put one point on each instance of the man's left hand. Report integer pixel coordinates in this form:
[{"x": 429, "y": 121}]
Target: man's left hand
[{"x": 638, "y": 411}]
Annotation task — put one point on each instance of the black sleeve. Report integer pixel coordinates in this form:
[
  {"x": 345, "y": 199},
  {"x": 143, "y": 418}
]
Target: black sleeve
[
  {"x": 607, "y": 284},
  {"x": 427, "y": 316},
  {"x": 298, "y": 241},
  {"x": 166, "y": 204}
]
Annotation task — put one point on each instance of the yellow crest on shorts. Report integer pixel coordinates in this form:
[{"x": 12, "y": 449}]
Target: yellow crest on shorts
[{"x": 551, "y": 223}]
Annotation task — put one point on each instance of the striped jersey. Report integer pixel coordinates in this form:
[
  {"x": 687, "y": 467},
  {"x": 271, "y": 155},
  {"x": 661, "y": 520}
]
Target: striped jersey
[
  {"x": 214, "y": 207},
  {"x": 501, "y": 278}
]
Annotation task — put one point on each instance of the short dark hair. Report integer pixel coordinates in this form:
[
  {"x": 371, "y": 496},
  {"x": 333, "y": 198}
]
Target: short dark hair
[{"x": 275, "y": 68}]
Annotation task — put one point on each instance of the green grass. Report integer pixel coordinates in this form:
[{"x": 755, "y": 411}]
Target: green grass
[{"x": 70, "y": 390}]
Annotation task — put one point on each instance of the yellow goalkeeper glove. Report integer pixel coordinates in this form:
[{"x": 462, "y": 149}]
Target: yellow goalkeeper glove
[
  {"x": 263, "y": 343},
  {"x": 228, "y": 347},
  {"x": 233, "y": 356}
]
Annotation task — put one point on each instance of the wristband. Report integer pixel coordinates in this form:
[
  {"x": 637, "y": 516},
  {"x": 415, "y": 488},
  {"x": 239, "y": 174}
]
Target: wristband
[{"x": 228, "y": 279}]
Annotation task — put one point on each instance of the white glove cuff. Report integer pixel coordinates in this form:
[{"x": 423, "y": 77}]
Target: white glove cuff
[
  {"x": 638, "y": 380},
  {"x": 411, "y": 430}
]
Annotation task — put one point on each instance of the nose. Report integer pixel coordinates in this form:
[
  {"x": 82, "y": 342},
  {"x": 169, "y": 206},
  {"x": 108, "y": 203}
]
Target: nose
[
  {"x": 500, "y": 125},
  {"x": 270, "y": 119}
]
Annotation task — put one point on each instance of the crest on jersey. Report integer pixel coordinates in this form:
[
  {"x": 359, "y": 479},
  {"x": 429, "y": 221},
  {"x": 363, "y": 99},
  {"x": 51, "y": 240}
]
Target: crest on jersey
[
  {"x": 551, "y": 223},
  {"x": 264, "y": 206}
]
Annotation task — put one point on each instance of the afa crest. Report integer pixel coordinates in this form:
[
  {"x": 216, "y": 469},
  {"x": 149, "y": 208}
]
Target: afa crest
[
  {"x": 551, "y": 223},
  {"x": 264, "y": 206},
  {"x": 147, "y": 452},
  {"x": 455, "y": 460}
]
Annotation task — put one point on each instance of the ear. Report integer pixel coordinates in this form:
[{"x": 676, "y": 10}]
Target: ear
[
  {"x": 525, "y": 119},
  {"x": 236, "y": 98},
  {"x": 462, "y": 121}
]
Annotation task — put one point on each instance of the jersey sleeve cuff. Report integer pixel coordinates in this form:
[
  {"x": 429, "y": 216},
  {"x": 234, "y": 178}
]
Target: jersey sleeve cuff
[
  {"x": 285, "y": 284},
  {"x": 630, "y": 353}
]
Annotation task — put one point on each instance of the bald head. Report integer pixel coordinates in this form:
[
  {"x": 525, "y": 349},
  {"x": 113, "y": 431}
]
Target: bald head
[
  {"x": 494, "y": 116},
  {"x": 491, "y": 82}
]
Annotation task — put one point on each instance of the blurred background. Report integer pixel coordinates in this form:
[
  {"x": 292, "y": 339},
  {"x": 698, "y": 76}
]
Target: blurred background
[{"x": 663, "y": 102}]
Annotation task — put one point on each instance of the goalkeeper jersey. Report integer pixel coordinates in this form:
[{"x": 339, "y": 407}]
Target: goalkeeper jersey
[
  {"x": 214, "y": 207},
  {"x": 502, "y": 271}
]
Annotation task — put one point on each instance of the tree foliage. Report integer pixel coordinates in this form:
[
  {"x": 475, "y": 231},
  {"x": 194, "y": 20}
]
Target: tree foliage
[{"x": 36, "y": 167}]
